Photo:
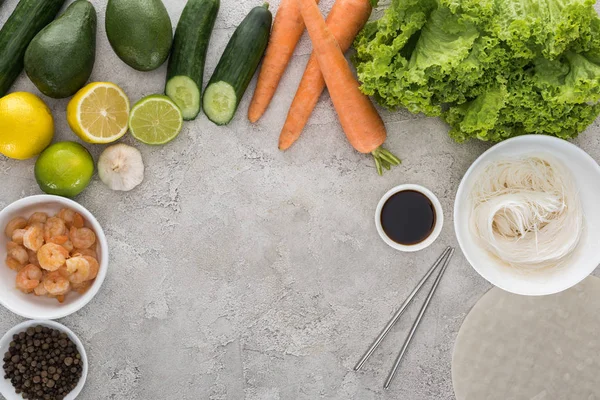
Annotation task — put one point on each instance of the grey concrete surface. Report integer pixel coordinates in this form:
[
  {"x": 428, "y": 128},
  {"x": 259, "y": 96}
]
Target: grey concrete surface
[{"x": 241, "y": 272}]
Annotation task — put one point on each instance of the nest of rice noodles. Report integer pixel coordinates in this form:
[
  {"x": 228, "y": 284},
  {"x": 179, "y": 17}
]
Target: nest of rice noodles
[{"x": 527, "y": 212}]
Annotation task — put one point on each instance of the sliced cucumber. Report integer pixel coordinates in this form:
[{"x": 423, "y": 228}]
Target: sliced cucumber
[
  {"x": 237, "y": 66},
  {"x": 185, "y": 93},
  {"x": 220, "y": 102},
  {"x": 186, "y": 65}
]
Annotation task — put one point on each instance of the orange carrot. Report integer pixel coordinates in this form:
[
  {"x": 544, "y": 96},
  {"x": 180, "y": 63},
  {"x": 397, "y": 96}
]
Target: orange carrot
[
  {"x": 287, "y": 30},
  {"x": 362, "y": 124},
  {"x": 345, "y": 20}
]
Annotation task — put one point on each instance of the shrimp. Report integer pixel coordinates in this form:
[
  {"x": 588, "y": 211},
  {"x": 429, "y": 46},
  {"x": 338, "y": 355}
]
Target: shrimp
[
  {"x": 29, "y": 278},
  {"x": 78, "y": 221},
  {"x": 17, "y": 235},
  {"x": 33, "y": 238},
  {"x": 56, "y": 284},
  {"x": 82, "y": 287},
  {"x": 94, "y": 267},
  {"x": 52, "y": 256},
  {"x": 67, "y": 215},
  {"x": 68, "y": 245},
  {"x": 79, "y": 269},
  {"x": 14, "y": 264},
  {"x": 17, "y": 252},
  {"x": 84, "y": 252},
  {"x": 14, "y": 224},
  {"x": 59, "y": 240},
  {"x": 82, "y": 238},
  {"x": 41, "y": 217},
  {"x": 40, "y": 290},
  {"x": 33, "y": 258},
  {"x": 55, "y": 227}
]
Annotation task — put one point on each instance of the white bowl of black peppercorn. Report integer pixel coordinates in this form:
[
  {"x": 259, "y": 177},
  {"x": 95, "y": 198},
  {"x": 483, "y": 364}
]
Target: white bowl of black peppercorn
[{"x": 6, "y": 387}]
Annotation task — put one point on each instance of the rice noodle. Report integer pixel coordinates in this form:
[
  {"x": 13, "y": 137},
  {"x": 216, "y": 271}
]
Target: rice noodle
[{"x": 527, "y": 212}]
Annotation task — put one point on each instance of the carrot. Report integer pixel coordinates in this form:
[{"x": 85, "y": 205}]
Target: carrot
[
  {"x": 287, "y": 30},
  {"x": 362, "y": 124},
  {"x": 345, "y": 20}
]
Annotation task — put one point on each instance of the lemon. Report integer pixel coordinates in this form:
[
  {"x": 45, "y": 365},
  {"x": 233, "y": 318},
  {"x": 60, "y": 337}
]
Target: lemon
[
  {"x": 155, "y": 120},
  {"x": 99, "y": 113},
  {"x": 26, "y": 125}
]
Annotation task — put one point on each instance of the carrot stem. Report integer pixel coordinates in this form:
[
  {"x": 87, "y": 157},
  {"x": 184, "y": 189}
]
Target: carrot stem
[{"x": 384, "y": 159}]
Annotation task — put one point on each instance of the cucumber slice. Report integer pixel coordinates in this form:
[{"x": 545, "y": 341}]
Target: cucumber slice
[
  {"x": 220, "y": 102},
  {"x": 185, "y": 93},
  {"x": 237, "y": 65}
]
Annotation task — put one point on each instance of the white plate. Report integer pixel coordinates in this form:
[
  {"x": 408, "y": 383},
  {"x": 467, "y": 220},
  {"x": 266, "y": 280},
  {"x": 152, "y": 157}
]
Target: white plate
[
  {"x": 586, "y": 258},
  {"x": 6, "y": 387},
  {"x": 29, "y": 305}
]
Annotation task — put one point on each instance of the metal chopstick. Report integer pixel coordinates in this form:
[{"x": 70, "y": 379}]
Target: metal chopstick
[
  {"x": 400, "y": 311},
  {"x": 417, "y": 321}
]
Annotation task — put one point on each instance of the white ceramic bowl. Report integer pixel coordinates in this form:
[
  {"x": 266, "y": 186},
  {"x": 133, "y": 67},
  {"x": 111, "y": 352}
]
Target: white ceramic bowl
[
  {"x": 6, "y": 387},
  {"x": 29, "y": 305},
  {"x": 586, "y": 173},
  {"x": 439, "y": 221}
]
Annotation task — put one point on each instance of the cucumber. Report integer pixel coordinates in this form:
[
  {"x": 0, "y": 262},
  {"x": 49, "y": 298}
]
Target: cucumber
[
  {"x": 186, "y": 65},
  {"x": 28, "y": 18},
  {"x": 237, "y": 66}
]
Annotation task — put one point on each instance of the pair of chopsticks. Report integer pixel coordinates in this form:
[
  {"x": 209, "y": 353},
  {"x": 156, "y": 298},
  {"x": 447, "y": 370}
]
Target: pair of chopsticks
[{"x": 445, "y": 258}]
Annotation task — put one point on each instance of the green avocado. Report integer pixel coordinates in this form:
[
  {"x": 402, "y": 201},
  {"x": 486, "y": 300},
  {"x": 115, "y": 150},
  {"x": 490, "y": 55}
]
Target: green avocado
[
  {"x": 60, "y": 58},
  {"x": 140, "y": 32}
]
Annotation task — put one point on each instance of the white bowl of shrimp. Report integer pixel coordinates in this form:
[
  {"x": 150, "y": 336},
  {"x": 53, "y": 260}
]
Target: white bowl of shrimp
[{"x": 53, "y": 257}]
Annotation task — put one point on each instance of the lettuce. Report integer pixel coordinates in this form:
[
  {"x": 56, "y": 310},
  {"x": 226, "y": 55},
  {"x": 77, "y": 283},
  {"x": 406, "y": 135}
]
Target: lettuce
[{"x": 492, "y": 69}]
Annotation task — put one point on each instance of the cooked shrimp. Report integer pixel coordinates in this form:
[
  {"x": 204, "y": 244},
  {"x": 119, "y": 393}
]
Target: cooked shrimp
[
  {"x": 40, "y": 290},
  {"x": 64, "y": 271},
  {"x": 28, "y": 278},
  {"x": 14, "y": 264},
  {"x": 78, "y": 221},
  {"x": 56, "y": 284},
  {"x": 67, "y": 215},
  {"x": 82, "y": 287},
  {"x": 55, "y": 227},
  {"x": 17, "y": 252},
  {"x": 38, "y": 217},
  {"x": 79, "y": 269},
  {"x": 33, "y": 258},
  {"x": 33, "y": 238},
  {"x": 14, "y": 224},
  {"x": 84, "y": 252},
  {"x": 94, "y": 267},
  {"x": 82, "y": 238},
  {"x": 68, "y": 245},
  {"x": 58, "y": 240},
  {"x": 60, "y": 298},
  {"x": 52, "y": 256},
  {"x": 17, "y": 235}
]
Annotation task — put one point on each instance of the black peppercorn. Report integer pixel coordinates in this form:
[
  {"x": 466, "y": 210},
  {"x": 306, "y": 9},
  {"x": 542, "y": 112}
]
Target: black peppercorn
[{"x": 35, "y": 364}]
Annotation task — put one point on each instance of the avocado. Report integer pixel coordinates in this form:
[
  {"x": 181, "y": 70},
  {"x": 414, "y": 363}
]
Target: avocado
[
  {"x": 140, "y": 32},
  {"x": 60, "y": 58}
]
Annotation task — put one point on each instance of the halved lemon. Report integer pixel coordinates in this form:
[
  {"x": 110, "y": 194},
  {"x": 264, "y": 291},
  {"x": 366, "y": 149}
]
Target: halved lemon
[{"x": 99, "y": 113}]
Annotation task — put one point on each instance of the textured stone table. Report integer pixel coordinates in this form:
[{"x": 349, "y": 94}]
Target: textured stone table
[{"x": 241, "y": 272}]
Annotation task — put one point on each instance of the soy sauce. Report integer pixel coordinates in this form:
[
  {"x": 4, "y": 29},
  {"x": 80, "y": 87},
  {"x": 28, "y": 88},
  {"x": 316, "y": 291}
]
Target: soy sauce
[{"x": 408, "y": 217}]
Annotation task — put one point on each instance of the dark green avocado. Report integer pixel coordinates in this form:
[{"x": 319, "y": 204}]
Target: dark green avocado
[
  {"x": 60, "y": 58},
  {"x": 140, "y": 32}
]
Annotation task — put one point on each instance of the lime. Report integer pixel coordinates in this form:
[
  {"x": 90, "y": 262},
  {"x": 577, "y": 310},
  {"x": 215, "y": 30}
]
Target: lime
[
  {"x": 155, "y": 119},
  {"x": 64, "y": 169},
  {"x": 26, "y": 125}
]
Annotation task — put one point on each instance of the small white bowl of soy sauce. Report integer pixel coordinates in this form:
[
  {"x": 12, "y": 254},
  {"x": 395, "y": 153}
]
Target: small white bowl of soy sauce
[{"x": 409, "y": 218}]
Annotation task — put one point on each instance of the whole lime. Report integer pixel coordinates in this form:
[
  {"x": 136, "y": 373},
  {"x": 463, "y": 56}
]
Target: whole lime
[{"x": 64, "y": 169}]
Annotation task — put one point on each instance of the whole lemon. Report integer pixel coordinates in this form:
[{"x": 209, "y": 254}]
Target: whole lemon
[{"x": 26, "y": 125}]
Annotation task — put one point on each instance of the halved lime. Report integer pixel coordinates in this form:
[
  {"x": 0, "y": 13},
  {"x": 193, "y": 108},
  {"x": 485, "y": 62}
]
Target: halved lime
[{"x": 155, "y": 119}]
